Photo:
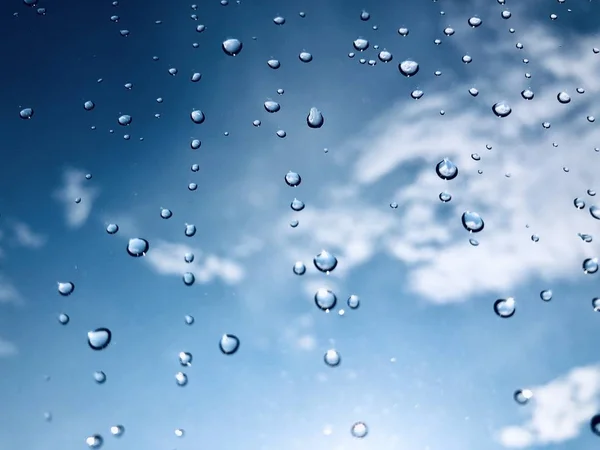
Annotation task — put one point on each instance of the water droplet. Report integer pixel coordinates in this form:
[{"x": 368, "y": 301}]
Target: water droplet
[
  {"x": 99, "y": 338},
  {"x": 99, "y": 377},
  {"x": 472, "y": 222},
  {"x": 445, "y": 197},
  {"x": 190, "y": 230},
  {"x": 181, "y": 379},
  {"x": 281, "y": 133},
  {"x": 179, "y": 432},
  {"x": 527, "y": 94},
  {"x": 474, "y": 22},
  {"x": 66, "y": 289},
  {"x": 189, "y": 320},
  {"x": 353, "y": 302},
  {"x": 195, "y": 144},
  {"x": 95, "y": 441},
  {"x": 506, "y": 14},
  {"x": 271, "y": 106},
  {"x": 546, "y": 295},
  {"x": 188, "y": 278},
  {"x": 332, "y": 358},
  {"x": 590, "y": 265},
  {"x": 325, "y": 299},
  {"x": 314, "y": 119},
  {"x": 408, "y": 68},
  {"x": 522, "y": 396},
  {"x": 185, "y": 359},
  {"x": 360, "y": 44},
  {"x": 416, "y": 94},
  {"x": 256, "y": 123},
  {"x": 299, "y": 268},
  {"x": 596, "y": 304},
  {"x": 467, "y": 59},
  {"x": 48, "y": 416},
  {"x": 297, "y": 205},
  {"x": 294, "y": 223},
  {"x": 229, "y": 344},
  {"x": 359, "y": 430},
  {"x": 63, "y": 319},
  {"x": 595, "y": 212},
  {"x": 546, "y": 125},
  {"x": 137, "y": 247},
  {"x": 89, "y": 105},
  {"x": 448, "y": 31},
  {"x": 293, "y": 179},
  {"x": 474, "y": 92},
  {"x": 197, "y": 76},
  {"x": 474, "y": 242},
  {"x": 364, "y": 16},
  {"x": 279, "y": 20},
  {"x": 305, "y": 57},
  {"x": 197, "y": 116},
  {"x": 591, "y": 119},
  {"x": 117, "y": 430},
  {"x": 325, "y": 261},
  {"x": 232, "y": 47},
  {"x": 446, "y": 169},
  {"x": 274, "y": 64},
  {"x": 505, "y": 307},
  {"x": 385, "y": 56},
  {"x": 501, "y": 109},
  {"x": 124, "y": 120},
  {"x": 403, "y": 31},
  {"x": 563, "y": 98}
]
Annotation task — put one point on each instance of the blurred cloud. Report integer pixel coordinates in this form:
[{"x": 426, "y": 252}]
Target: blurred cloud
[
  {"x": 167, "y": 258},
  {"x": 26, "y": 237},
  {"x": 560, "y": 410},
  {"x": 73, "y": 188},
  {"x": 7, "y": 348},
  {"x": 8, "y": 292}
]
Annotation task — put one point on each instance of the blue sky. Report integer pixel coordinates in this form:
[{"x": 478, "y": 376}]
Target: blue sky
[{"x": 426, "y": 363}]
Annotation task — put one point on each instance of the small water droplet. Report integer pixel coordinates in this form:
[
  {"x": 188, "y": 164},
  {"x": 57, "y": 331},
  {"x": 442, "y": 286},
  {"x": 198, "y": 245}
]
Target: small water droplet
[
  {"x": 293, "y": 179},
  {"x": 229, "y": 344},
  {"x": 189, "y": 320},
  {"x": 353, "y": 302},
  {"x": 99, "y": 338},
  {"x": 522, "y": 396},
  {"x": 325, "y": 299},
  {"x": 181, "y": 379},
  {"x": 325, "y": 261},
  {"x": 590, "y": 265},
  {"x": 563, "y": 98},
  {"x": 472, "y": 222},
  {"x": 501, "y": 109},
  {"x": 188, "y": 278},
  {"x": 359, "y": 430},
  {"x": 197, "y": 116},
  {"x": 305, "y": 57},
  {"x": 99, "y": 377},
  {"x": 137, "y": 247},
  {"x": 446, "y": 169},
  {"x": 315, "y": 118},
  {"x": 474, "y": 22},
  {"x": 124, "y": 120},
  {"x": 94, "y": 441},
  {"x": 117, "y": 430},
  {"x": 65, "y": 289},
  {"x": 408, "y": 68},
  {"x": 546, "y": 295},
  {"x": 505, "y": 307},
  {"x": 332, "y": 358},
  {"x": 185, "y": 359},
  {"x": 232, "y": 47}
]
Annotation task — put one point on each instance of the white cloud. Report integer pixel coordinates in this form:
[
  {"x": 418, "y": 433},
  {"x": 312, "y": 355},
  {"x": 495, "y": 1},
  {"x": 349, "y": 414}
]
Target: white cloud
[
  {"x": 522, "y": 190},
  {"x": 7, "y": 348},
  {"x": 26, "y": 237},
  {"x": 75, "y": 186},
  {"x": 167, "y": 258},
  {"x": 560, "y": 410}
]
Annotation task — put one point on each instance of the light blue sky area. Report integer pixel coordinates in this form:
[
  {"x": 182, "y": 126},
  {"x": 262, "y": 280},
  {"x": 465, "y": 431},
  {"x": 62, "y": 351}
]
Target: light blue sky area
[{"x": 425, "y": 361}]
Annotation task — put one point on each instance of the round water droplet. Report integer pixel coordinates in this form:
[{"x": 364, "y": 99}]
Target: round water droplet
[
  {"x": 185, "y": 359},
  {"x": 229, "y": 344},
  {"x": 190, "y": 230},
  {"x": 325, "y": 299},
  {"x": 332, "y": 358},
  {"x": 595, "y": 212},
  {"x": 505, "y": 307},
  {"x": 501, "y": 109},
  {"x": 99, "y": 377},
  {"x": 417, "y": 94},
  {"x": 364, "y": 16},
  {"x": 596, "y": 304},
  {"x": 112, "y": 228},
  {"x": 94, "y": 441},
  {"x": 274, "y": 64},
  {"x": 232, "y": 47},
  {"x": 297, "y": 205},
  {"x": 292, "y": 179},
  {"x": 124, "y": 120},
  {"x": 26, "y": 113},
  {"x": 279, "y": 20},
  {"x": 563, "y": 98},
  {"x": 299, "y": 268},
  {"x": 408, "y": 68},
  {"x": 63, "y": 319},
  {"x": 360, "y": 44},
  {"x": 197, "y": 116},
  {"x": 385, "y": 56},
  {"x": 445, "y": 197},
  {"x": 89, "y": 105},
  {"x": 99, "y": 338},
  {"x": 117, "y": 430},
  {"x": 595, "y": 424},
  {"x": 195, "y": 144},
  {"x": 179, "y": 432},
  {"x": 448, "y": 31},
  {"x": 271, "y": 106},
  {"x": 294, "y": 223},
  {"x": 315, "y": 118},
  {"x": 359, "y": 430},
  {"x": 467, "y": 59},
  {"x": 66, "y": 289},
  {"x": 474, "y": 22},
  {"x": 546, "y": 295},
  {"x": 590, "y": 265},
  {"x": 189, "y": 320},
  {"x": 325, "y": 261},
  {"x": 281, "y": 133},
  {"x": 446, "y": 169},
  {"x": 472, "y": 222},
  {"x": 522, "y": 396},
  {"x": 188, "y": 278},
  {"x": 506, "y": 14},
  {"x": 527, "y": 94},
  {"x": 305, "y": 57},
  {"x": 353, "y": 302},
  {"x": 181, "y": 379},
  {"x": 137, "y": 247},
  {"x": 474, "y": 92},
  {"x": 197, "y": 76}
]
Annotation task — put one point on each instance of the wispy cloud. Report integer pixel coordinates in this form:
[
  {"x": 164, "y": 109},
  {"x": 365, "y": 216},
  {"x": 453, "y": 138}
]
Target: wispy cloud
[
  {"x": 167, "y": 258},
  {"x": 75, "y": 186},
  {"x": 560, "y": 410},
  {"x": 8, "y": 292},
  {"x": 26, "y": 237},
  {"x": 7, "y": 348}
]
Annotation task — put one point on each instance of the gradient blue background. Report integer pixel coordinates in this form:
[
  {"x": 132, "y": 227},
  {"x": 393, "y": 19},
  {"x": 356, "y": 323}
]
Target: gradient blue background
[{"x": 426, "y": 363}]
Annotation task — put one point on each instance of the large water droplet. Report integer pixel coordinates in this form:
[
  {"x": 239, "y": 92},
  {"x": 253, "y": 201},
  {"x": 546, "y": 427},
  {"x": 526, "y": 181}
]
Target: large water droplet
[
  {"x": 408, "y": 68},
  {"x": 522, "y": 396},
  {"x": 325, "y": 261},
  {"x": 125, "y": 120},
  {"x": 332, "y": 358},
  {"x": 446, "y": 169},
  {"x": 325, "y": 299},
  {"x": 472, "y": 222},
  {"x": 501, "y": 109},
  {"x": 595, "y": 212},
  {"x": 590, "y": 265},
  {"x": 137, "y": 247},
  {"x": 197, "y": 116},
  {"x": 99, "y": 338},
  {"x": 315, "y": 118},
  {"x": 505, "y": 307},
  {"x": 299, "y": 268},
  {"x": 361, "y": 44},
  {"x": 117, "y": 430},
  {"x": 271, "y": 106},
  {"x": 229, "y": 344},
  {"x": 563, "y": 98},
  {"x": 185, "y": 359},
  {"x": 353, "y": 301},
  {"x": 305, "y": 57},
  {"x": 66, "y": 289},
  {"x": 99, "y": 377},
  {"x": 232, "y": 47},
  {"x": 546, "y": 295},
  {"x": 359, "y": 430},
  {"x": 26, "y": 113},
  {"x": 94, "y": 442},
  {"x": 292, "y": 179},
  {"x": 474, "y": 22},
  {"x": 181, "y": 379}
]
